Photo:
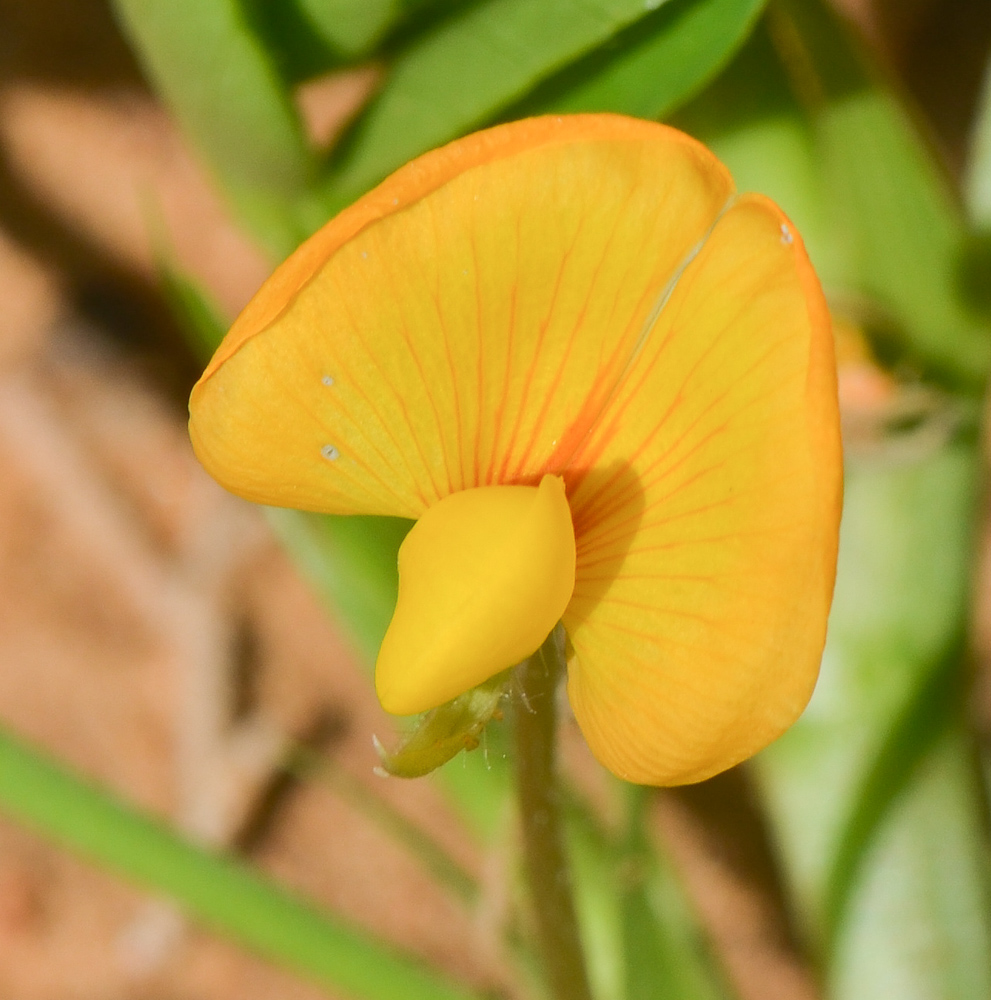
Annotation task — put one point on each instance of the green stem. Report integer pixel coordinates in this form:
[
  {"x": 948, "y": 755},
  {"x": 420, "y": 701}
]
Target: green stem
[{"x": 547, "y": 869}]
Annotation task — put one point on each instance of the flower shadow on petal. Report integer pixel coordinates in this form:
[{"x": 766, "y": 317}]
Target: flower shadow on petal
[{"x": 607, "y": 506}]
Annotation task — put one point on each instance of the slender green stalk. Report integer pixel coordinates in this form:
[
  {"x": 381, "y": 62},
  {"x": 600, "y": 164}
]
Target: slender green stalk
[
  {"x": 547, "y": 868},
  {"x": 222, "y": 892}
]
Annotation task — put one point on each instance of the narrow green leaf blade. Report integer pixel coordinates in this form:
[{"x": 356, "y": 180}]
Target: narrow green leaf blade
[
  {"x": 905, "y": 235},
  {"x": 752, "y": 121},
  {"x": 664, "y": 951},
  {"x": 465, "y": 72},
  {"x": 353, "y": 26},
  {"x": 917, "y": 924},
  {"x": 218, "y": 890},
  {"x": 833, "y": 146},
  {"x": 640, "y": 935},
  {"x": 869, "y": 832},
  {"x": 975, "y": 264},
  {"x": 352, "y": 561},
  {"x": 217, "y": 77},
  {"x": 675, "y": 52},
  {"x": 195, "y": 310}
]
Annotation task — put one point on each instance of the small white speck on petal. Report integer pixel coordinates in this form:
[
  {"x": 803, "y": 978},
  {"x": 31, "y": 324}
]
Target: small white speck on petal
[
  {"x": 327, "y": 380},
  {"x": 786, "y": 236},
  {"x": 364, "y": 255},
  {"x": 330, "y": 453},
  {"x": 395, "y": 201}
]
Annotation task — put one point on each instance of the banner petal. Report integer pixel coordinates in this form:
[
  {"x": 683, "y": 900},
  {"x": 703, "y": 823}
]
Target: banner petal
[{"x": 462, "y": 325}]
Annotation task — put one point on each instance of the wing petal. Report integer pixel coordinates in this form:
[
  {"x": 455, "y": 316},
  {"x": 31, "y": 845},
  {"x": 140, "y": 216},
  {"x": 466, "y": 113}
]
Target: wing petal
[{"x": 707, "y": 515}]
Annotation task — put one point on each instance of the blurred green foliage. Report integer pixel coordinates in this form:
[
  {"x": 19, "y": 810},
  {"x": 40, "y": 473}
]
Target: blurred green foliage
[{"x": 875, "y": 796}]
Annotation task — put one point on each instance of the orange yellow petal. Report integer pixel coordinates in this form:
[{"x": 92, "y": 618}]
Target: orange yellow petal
[
  {"x": 468, "y": 337},
  {"x": 707, "y": 515}
]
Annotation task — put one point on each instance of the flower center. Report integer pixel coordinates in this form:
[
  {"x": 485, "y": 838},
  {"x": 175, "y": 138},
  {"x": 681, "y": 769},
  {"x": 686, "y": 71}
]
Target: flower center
[{"x": 484, "y": 576}]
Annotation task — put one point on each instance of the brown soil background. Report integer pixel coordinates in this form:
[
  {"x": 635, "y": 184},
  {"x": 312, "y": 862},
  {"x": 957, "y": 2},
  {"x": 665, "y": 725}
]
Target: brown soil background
[{"x": 153, "y": 635}]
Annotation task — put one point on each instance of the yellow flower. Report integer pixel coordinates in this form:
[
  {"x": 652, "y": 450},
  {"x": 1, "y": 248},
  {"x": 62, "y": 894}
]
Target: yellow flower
[{"x": 604, "y": 382}]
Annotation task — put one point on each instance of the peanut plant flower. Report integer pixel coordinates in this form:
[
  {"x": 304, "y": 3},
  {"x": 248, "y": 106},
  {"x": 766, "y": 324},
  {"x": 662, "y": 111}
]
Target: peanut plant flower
[{"x": 603, "y": 383}]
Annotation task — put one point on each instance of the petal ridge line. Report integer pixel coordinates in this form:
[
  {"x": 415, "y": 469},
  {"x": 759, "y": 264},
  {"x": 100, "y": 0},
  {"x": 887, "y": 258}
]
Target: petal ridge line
[{"x": 648, "y": 328}]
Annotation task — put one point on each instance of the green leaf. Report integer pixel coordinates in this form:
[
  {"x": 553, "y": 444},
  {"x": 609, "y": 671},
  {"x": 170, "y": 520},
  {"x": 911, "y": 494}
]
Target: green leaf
[
  {"x": 292, "y": 44},
  {"x": 218, "y": 890},
  {"x": 975, "y": 263},
  {"x": 896, "y": 217},
  {"x": 656, "y": 65},
  {"x": 917, "y": 924},
  {"x": 664, "y": 951},
  {"x": 640, "y": 935},
  {"x": 219, "y": 80},
  {"x": 308, "y": 764},
  {"x": 461, "y": 75},
  {"x": 859, "y": 811},
  {"x": 198, "y": 314},
  {"x": 594, "y": 861},
  {"x": 898, "y": 611},
  {"x": 353, "y": 26},
  {"x": 904, "y": 235}
]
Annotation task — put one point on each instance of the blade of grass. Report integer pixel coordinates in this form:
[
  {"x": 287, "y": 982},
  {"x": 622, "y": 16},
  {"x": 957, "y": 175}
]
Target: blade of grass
[
  {"x": 472, "y": 66},
  {"x": 200, "y": 316},
  {"x": 654, "y": 66},
  {"x": 934, "y": 706},
  {"x": 799, "y": 116},
  {"x": 220, "y": 81},
  {"x": 751, "y": 120},
  {"x": 917, "y": 923},
  {"x": 308, "y": 765},
  {"x": 886, "y": 707},
  {"x": 664, "y": 951},
  {"x": 223, "y": 893},
  {"x": 975, "y": 263},
  {"x": 353, "y": 26},
  {"x": 641, "y": 937},
  {"x": 352, "y": 561}
]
